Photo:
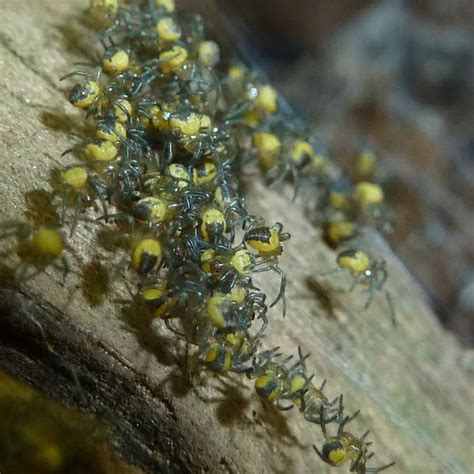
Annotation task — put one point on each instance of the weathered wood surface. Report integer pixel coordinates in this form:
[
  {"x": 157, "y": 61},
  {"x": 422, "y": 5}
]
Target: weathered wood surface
[{"x": 414, "y": 394}]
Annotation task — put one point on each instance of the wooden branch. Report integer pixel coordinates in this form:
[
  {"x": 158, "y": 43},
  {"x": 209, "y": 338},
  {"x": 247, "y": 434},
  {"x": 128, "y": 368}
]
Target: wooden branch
[{"x": 407, "y": 380}]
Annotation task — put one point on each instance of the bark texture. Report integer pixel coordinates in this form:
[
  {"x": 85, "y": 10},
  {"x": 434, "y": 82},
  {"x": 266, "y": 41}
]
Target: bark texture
[{"x": 414, "y": 393}]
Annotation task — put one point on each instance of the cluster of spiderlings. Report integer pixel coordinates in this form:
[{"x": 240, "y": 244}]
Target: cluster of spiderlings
[
  {"x": 342, "y": 208},
  {"x": 171, "y": 124},
  {"x": 270, "y": 135},
  {"x": 282, "y": 147},
  {"x": 286, "y": 386}
]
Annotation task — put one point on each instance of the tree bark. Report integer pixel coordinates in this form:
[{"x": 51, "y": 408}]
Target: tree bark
[{"x": 414, "y": 394}]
